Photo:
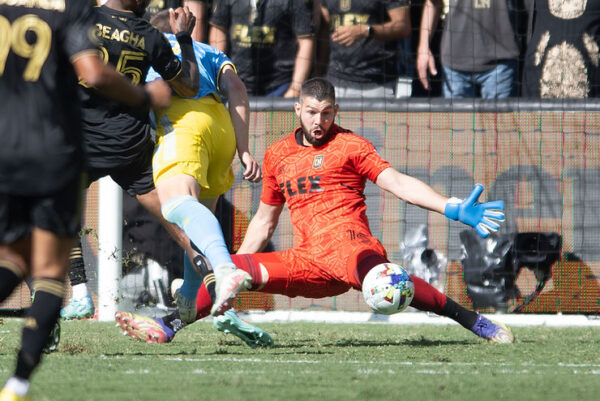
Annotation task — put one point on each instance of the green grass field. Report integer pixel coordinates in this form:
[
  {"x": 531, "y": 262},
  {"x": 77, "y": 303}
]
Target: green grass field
[{"x": 313, "y": 361}]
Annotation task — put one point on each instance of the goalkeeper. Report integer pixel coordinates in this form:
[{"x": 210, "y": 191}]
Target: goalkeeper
[{"x": 320, "y": 171}]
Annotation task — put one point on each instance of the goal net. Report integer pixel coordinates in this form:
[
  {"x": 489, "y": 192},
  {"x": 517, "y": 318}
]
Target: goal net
[{"x": 542, "y": 159}]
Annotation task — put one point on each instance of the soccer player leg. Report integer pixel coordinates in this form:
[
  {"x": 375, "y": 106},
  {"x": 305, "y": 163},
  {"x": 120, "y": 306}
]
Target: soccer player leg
[
  {"x": 229, "y": 322},
  {"x": 185, "y": 294},
  {"x": 163, "y": 329},
  {"x": 427, "y": 298},
  {"x": 180, "y": 175},
  {"x": 80, "y": 305},
  {"x": 14, "y": 244},
  {"x": 48, "y": 273},
  {"x": 11, "y": 274},
  {"x": 203, "y": 229},
  {"x": 484, "y": 217}
]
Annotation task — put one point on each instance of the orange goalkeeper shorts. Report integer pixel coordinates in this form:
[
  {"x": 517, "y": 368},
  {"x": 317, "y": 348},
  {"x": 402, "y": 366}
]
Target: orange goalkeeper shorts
[{"x": 325, "y": 269}]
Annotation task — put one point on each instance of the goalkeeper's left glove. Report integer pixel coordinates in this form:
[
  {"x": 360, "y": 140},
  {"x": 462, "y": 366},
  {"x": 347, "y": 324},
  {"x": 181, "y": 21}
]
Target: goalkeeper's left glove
[{"x": 482, "y": 216}]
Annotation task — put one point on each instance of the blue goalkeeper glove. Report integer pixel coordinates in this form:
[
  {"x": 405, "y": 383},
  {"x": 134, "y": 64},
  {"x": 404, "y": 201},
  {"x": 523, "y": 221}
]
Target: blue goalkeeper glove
[{"x": 484, "y": 217}]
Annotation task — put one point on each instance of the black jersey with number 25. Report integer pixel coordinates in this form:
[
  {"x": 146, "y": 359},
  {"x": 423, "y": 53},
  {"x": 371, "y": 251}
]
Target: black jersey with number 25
[
  {"x": 40, "y": 119},
  {"x": 115, "y": 133}
]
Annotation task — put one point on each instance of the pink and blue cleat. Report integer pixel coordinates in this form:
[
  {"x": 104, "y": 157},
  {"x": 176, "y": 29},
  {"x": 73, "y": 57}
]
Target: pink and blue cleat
[{"x": 144, "y": 328}]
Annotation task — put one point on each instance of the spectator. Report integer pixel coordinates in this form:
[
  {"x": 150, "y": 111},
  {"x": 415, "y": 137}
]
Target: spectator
[
  {"x": 271, "y": 43},
  {"x": 154, "y": 6},
  {"x": 435, "y": 84},
  {"x": 562, "y": 57},
  {"x": 479, "y": 49},
  {"x": 363, "y": 52}
]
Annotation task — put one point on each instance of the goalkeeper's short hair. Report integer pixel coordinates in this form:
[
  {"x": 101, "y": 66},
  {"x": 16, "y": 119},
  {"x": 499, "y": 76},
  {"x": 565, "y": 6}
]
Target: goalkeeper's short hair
[{"x": 319, "y": 88}]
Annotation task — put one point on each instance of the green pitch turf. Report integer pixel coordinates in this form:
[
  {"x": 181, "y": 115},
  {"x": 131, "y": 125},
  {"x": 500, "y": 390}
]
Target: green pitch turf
[{"x": 313, "y": 361}]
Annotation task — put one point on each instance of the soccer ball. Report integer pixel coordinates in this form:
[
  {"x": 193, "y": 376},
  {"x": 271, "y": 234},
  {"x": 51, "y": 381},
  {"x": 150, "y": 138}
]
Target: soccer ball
[{"x": 388, "y": 289}]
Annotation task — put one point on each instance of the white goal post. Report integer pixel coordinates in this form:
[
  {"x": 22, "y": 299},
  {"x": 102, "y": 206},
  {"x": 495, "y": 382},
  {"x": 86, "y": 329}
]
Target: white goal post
[{"x": 110, "y": 229}]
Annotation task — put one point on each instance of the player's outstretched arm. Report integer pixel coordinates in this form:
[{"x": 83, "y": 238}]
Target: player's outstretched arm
[
  {"x": 261, "y": 228},
  {"x": 107, "y": 81},
  {"x": 239, "y": 111},
  {"x": 484, "y": 217}
]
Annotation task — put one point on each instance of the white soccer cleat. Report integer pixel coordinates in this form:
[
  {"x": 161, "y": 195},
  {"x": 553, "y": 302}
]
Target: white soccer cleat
[
  {"x": 175, "y": 285},
  {"x": 227, "y": 287},
  {"x": 186, "y": 307}
]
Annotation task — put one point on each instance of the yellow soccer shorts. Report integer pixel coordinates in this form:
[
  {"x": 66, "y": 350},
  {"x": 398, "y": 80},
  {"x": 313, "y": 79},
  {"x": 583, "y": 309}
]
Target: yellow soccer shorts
[{"x": 195, "y": 137}]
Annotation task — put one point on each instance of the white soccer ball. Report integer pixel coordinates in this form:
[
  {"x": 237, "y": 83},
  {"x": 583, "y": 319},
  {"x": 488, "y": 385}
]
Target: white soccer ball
[{"x": 388, "y": 289}]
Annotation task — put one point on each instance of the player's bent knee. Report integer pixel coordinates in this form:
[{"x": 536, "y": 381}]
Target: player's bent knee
[
  {"x": 20, "y": 271},
  {"x": 173, "y": 186},
  {"x": 50, "y": 285},
  {"x": 170, "y": 209}
]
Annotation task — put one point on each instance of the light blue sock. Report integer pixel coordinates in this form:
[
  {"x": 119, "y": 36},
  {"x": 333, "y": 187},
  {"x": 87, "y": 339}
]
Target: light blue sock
[
  {"x": 201, "y": 227},
  {"x": 191, "y": 279}
]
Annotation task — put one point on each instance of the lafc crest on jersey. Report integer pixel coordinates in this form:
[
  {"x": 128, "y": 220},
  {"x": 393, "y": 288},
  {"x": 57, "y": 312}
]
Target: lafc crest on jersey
[
  {"x": 318, "y": 161},
  {"x": 345, "y": 5}
]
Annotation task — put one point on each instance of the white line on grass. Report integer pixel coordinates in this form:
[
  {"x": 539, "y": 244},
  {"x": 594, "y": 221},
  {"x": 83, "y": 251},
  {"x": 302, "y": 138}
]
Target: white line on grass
[
  {"x": 393, "y": 363},
  {"x": 554, "y": 320}
]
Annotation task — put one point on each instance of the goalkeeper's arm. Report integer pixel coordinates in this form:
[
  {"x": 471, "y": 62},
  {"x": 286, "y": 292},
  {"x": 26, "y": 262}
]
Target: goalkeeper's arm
[{"x": 484, "y": 217}]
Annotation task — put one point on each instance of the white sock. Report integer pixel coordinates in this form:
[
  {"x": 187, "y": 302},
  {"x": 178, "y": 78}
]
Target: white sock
[
  {"x": 19, "y": 386},
  {"x": 79, "y": 291}
]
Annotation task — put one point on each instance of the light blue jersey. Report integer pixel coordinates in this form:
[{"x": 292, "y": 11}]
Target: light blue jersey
[{"x": 210, "y": 62}]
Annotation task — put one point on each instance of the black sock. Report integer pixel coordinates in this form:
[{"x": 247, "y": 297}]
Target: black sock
[
  {"x": 77, "y": 267},
  {"x": 10, "y": 277},
  {"x": 207, "y": 276},
  {"x": 209, "y": 283},
  {"x": 39, "y": 322},
  {"x": 463, "y": 316},
  {"x": 173, "y": 321}
]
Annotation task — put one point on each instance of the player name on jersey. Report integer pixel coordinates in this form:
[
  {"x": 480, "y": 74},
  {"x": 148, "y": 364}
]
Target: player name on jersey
[
  {"x": 58, "y": 5},
  {"x": 125, "y": 36}
]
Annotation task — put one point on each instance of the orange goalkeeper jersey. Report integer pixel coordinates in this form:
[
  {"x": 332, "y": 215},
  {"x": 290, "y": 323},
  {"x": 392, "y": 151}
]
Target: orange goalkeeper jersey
[{"x": 323, "y": 186}]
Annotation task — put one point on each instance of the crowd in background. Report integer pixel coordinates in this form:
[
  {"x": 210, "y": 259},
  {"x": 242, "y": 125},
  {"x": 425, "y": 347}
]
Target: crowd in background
[{"x": 407, "y": 48}]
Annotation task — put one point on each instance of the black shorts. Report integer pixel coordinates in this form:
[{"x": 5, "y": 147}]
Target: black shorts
[
  {"x": 135, "y": 177},
  {"x": 59, "y": 212}
]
